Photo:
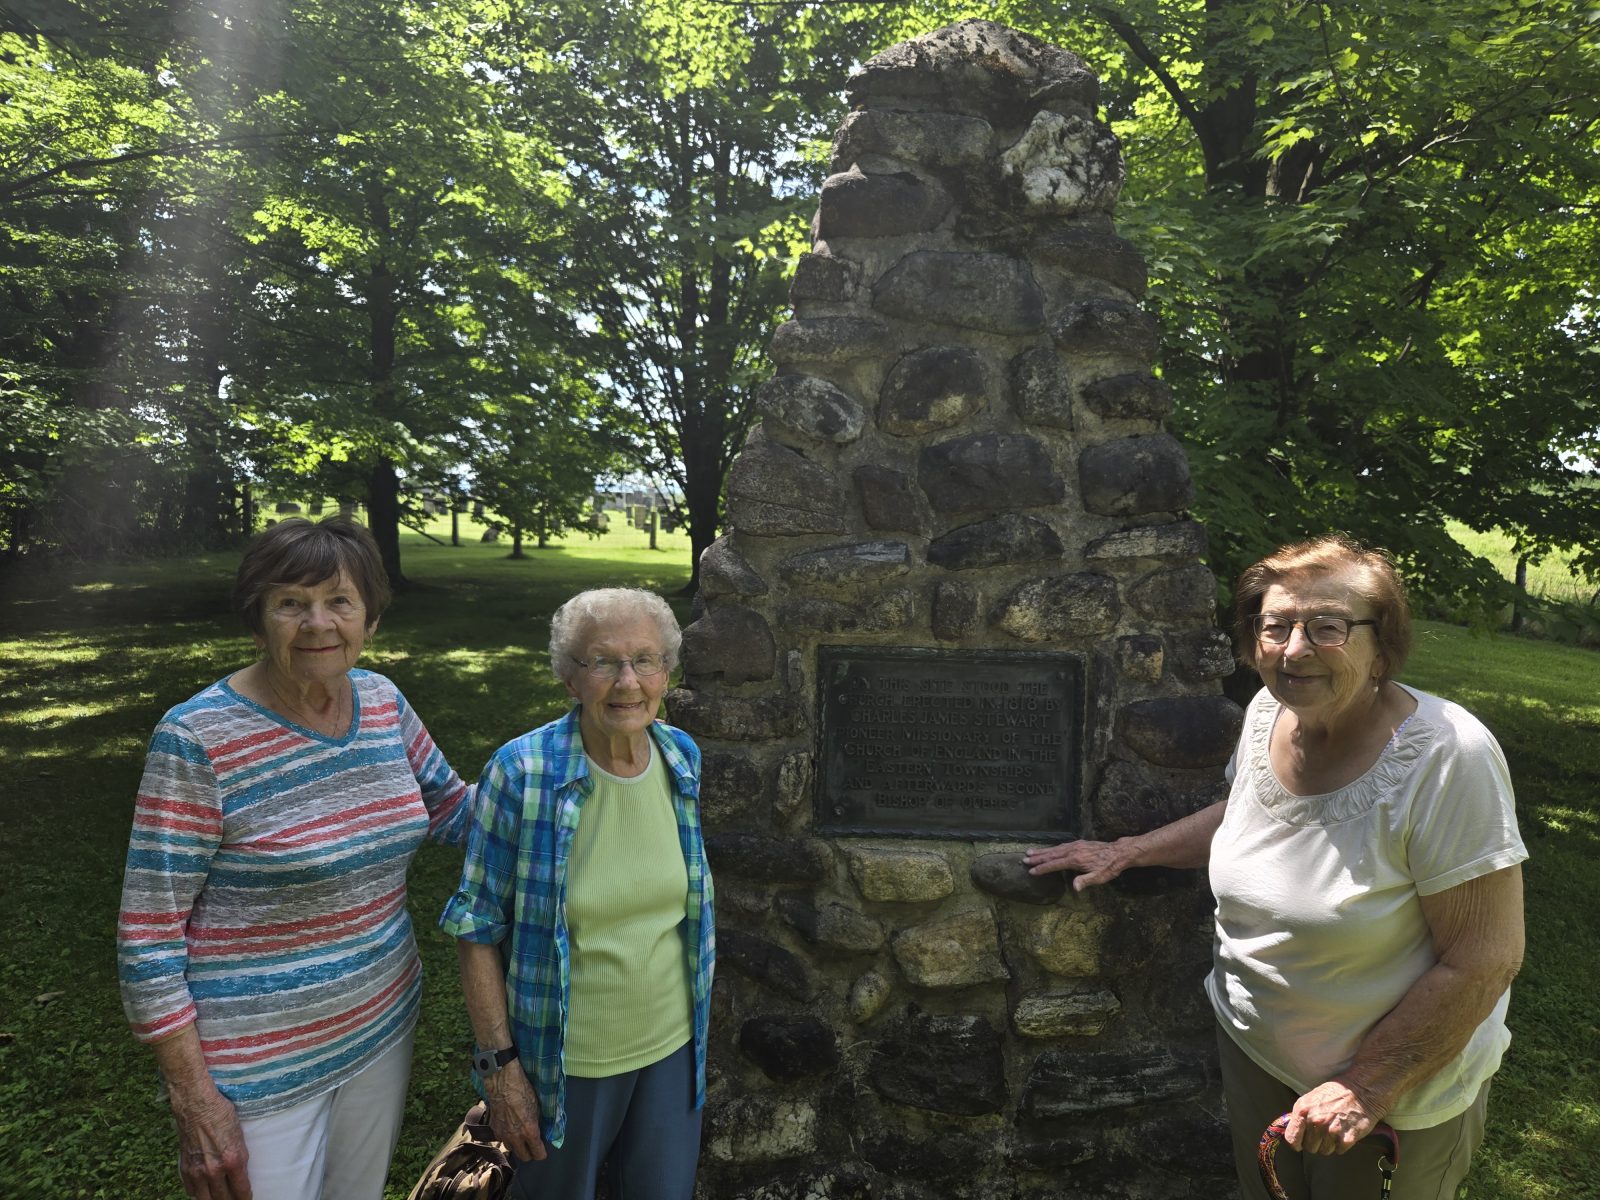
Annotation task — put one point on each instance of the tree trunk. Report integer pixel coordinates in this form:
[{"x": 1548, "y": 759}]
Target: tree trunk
[
  {"x": 383, "y": 518},
  {"x": 383, "y": 315},
  {"x": 18, "y": 533},
  {"x": 208, "y": 481},
  {"x": 1522, "y": 588},
  {"x": 516, "y": 543},
  {"x": 703, "y": 499}
]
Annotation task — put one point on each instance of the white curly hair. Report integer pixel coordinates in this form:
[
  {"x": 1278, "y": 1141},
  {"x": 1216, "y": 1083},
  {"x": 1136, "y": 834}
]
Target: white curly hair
[{"x": 596, "y": 608}]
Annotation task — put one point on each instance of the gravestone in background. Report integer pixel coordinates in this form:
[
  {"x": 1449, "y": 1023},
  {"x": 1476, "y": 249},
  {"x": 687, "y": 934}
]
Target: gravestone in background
[{"x": 960, "y": 609}]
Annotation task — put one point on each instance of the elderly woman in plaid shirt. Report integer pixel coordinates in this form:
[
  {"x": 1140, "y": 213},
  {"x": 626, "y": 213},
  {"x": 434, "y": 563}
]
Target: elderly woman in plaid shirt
[{"x": 584, "y": 920}]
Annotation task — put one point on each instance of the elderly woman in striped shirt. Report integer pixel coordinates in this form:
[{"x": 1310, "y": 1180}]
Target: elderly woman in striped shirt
[
  {"x": 265, "y": 951},
  {"x": 584, "y": 920}
]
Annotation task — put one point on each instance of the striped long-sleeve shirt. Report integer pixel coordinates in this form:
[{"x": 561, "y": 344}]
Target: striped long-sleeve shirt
[
  {"x": 514, "y": 892},
  {"x": 264, "y": 899}
]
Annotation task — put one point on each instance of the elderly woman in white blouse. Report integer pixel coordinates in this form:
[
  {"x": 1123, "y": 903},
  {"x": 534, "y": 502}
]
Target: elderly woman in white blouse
[{"x": 1369, "y": 894}]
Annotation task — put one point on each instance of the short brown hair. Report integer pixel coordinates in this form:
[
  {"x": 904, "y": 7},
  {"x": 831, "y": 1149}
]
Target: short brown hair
[
  {"x": 298, "y": 551},
  {"x": 1374, "y": 580}
]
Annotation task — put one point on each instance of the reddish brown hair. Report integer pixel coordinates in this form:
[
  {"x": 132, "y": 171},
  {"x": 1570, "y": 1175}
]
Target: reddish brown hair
[
  {"x": 297, "y": 551},
  {"x": 1370, "y": 573}
]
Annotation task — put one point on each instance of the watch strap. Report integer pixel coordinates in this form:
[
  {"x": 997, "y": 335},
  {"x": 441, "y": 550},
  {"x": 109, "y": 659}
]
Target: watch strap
[{"x": 487, "y": 1062}]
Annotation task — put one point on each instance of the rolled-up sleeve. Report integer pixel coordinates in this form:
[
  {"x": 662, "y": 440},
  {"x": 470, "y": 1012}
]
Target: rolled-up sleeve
[{"x": 483, "y": 905}]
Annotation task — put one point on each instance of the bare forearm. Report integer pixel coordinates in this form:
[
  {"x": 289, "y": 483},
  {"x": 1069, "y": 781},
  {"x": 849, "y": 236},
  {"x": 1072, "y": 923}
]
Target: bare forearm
[
  {"x": 1185, "y": 842},
  {"x": 1430, "y": 1026},
  {"x": 181, "y": 1062},
  {"x": 1477, "y": 930},
  {"x": 483, "y": 985},
  {"x": 513, "y": 1107},
  {"x": 212, "y": 1156}
]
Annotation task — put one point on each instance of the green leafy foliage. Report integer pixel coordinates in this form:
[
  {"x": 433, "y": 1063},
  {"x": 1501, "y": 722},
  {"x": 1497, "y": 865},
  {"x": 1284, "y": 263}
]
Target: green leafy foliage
[
  {"x": 680, "y": 146},
  {"x": 311, "y": 242},
  {"x": 1371, "y": 240}
]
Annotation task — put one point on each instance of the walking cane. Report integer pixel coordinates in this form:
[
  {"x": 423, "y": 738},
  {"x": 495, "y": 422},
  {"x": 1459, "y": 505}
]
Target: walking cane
[{"x": 1387, "y": 1161}]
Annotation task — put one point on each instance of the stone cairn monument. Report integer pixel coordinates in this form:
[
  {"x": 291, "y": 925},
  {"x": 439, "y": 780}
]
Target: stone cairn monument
[{"x": 960, "y": 611}]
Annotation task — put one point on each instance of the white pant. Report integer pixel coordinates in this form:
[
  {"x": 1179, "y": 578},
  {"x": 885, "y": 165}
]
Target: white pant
[{"x": 335, "y": 1146}]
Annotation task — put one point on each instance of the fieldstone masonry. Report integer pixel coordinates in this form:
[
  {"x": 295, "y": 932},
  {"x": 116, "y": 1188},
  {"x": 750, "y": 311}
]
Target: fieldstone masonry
[{"x": 962, "y": 450}]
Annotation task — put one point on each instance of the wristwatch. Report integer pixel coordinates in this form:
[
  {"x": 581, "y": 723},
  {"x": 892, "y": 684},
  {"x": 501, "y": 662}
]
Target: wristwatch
[{"x": 487, "y": 1062}]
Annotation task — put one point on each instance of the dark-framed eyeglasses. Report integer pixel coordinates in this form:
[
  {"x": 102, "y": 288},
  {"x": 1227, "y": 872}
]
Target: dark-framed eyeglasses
[
  {"x": 1320, "y": 631},
  {"x": 644, "y": 665}
]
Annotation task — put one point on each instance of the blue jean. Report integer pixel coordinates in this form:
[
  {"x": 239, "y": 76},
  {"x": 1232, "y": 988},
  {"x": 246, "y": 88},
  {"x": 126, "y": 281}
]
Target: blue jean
[{"x": 641, "y": 1125}]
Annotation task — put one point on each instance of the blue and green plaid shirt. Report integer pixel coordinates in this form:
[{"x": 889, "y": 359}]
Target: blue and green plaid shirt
[{"x": 514, "y": 887}]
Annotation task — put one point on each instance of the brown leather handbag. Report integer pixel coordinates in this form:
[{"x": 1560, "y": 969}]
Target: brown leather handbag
[{"x": 471, "y": 1165}]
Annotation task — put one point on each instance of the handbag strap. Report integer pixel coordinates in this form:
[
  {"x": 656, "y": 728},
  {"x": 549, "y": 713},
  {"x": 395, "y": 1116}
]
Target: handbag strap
[{"x": 1388, "y": 1159}]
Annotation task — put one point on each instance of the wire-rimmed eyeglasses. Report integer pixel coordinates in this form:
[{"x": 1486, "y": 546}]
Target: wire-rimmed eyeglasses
[
  {"x": 644, "y": 665},
  {"x": 1320, "y": 631}
]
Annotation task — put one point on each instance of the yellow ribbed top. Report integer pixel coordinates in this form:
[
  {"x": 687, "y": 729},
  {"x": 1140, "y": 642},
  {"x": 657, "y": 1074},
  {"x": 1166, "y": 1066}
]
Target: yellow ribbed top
[{"x": 627, "y": 890}]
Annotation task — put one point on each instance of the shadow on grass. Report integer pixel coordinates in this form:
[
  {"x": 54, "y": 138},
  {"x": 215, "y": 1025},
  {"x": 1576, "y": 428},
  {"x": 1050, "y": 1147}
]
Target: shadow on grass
[
  {"x": 89, "y": 660},
  {"x": 85, "y": 673}
]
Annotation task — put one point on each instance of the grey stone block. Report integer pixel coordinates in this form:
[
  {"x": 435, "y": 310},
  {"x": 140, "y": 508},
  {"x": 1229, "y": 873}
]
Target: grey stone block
[
  {"x": 812, "y": 407},
  {"x": 1066, "y": 1084},
  {"x": 788, "y": 1048},
  {"x": 1041, "y": 390},
  {"x": 726, "y": 572},
  {"x": 977, "y": 67},
  {"x": 772, "y": 491},
  {"x": 732, "y": 643},
  {"x": 828, "y": 340},
  {"x": 1061, "y": 607},
  {"x": 766, "y": 859},
  {"x": 889, "y": 500},
  {"x": 1107, "y": 328},
  {"x": 846, "y": 565},
  {"x": 826, "y": 278},
  {"x": 1176, "y": 594},
  {"x": 941, "y": 1064},
  {"x": 988, "y": 472},
  {"x": 1136, "y": 397},
  {"x": 993, "y": 293},
  {"x": 931, "y": 389},
  {"x": 858, "y": 205},
  {"x": 735, "y": 718},
  {"x": 1135, "y": 475},
  {"x": 1005, "y": 875},
  {"x": 1009, "y": 538},
  {"x": 1184, "y": 731},
  {"x": 765, "y": 962}
]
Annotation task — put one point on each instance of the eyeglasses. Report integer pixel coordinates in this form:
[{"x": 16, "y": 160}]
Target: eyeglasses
[
  {"x": 1320, "y": 631},
  {"x": 644, "y": 665}
]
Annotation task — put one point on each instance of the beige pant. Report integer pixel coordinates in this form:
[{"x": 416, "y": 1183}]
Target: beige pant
[{"x": 1432, "y": 1161}]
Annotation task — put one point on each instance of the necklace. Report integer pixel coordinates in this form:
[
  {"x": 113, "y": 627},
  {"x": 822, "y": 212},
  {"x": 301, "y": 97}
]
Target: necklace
[{"x": 329, "y": 726}]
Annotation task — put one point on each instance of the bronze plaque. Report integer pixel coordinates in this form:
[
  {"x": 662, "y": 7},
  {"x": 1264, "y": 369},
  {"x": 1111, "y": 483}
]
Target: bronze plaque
[{"x": 948, "y": 743}]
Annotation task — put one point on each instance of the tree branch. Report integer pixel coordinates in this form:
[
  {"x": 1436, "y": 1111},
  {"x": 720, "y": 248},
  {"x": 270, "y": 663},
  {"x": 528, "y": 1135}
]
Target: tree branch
[
  {"x": 1145, "y": 54},
  {"x": 17, "y": 188}
]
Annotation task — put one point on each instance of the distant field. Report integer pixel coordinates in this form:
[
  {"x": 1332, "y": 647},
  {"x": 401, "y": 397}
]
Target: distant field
[{"x": 1550, "y": 578}]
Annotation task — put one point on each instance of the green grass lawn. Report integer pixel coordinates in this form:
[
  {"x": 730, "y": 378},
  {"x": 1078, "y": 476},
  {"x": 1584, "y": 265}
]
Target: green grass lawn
[
  {"x": 1551, "y": 577},
  {"x": 91, "y": 657}
]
